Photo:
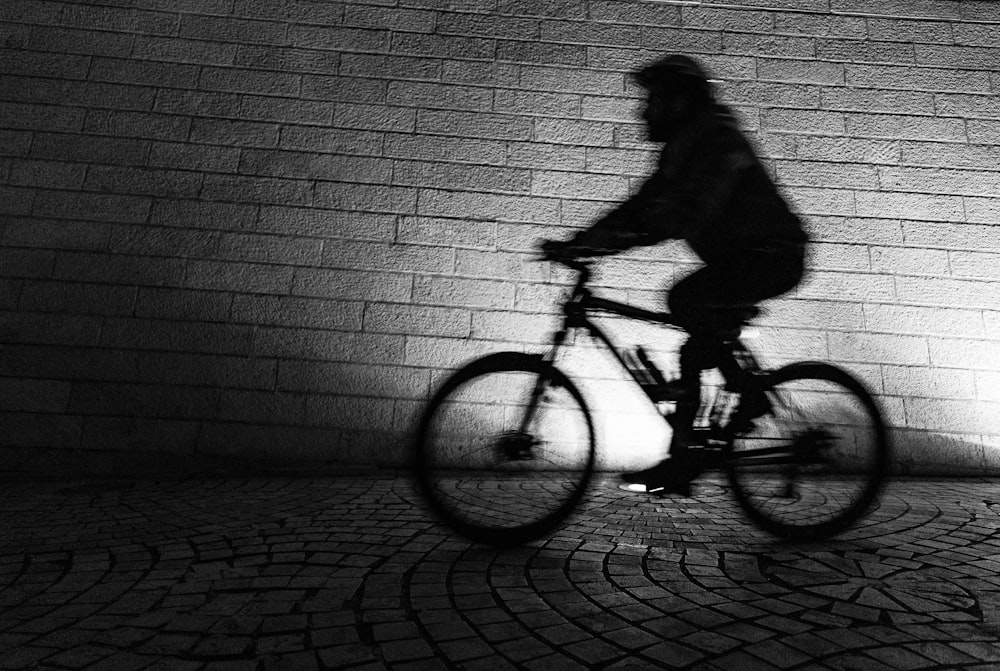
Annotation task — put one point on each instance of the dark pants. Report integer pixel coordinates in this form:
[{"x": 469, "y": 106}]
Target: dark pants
[{"x": 703, "y": 304}]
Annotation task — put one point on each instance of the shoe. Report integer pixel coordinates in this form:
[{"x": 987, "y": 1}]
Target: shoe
[
  {"x": 674, "y": 391},
  {"x": 666, "y": 477}
]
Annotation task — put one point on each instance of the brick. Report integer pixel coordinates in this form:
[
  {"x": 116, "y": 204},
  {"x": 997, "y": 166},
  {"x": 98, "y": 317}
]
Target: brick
[
  {"x": 14, "y": 142},
  {"x": 443, "y": 46},
  {"x": 257, "y": 190},
  {"x": 324, "y": 224},
  {"x": 536, "y": 103},
  {"x": 333, "y": 140},
  {"x": 310, "y": 345},
  {"x": 364, "y": 197},
  {"x": 946, "y": 154},
  {"x": 572, "y": 80},
  {"x": 234, "y": 133},
  {"x": 910, "y": 205},
  {"x": 286, "y": 59},
  {"x": 447, "y": 353},
  {"x": 142, "y": 400},
  {"x": 194, "y": 157},
  {"x": 950, "y": 236},
  {"x": 269, "y": 249},
  {"x": 203, "y": 215},
  {"x": 391, "y": 67},
  {"x": 118, "y": 269},
  {"x": 346, "y": 379},
  {"x": 34, "y": 396},
  {"x": 856, "y": 51},
  {"x": 982, "y": 210},
  {"x": 820, "y": 25},
  {"x": 198, "y": 103},
  {"x": 44, "y": 431},
  {"x": 475, "y": 125},
  {"x": 616, "y": 11},
  {"x": 980, "y": 58},
  {"x": 847, "y": 286},
  {"x": 917, "y": 382},
  {"x": 975, "y": 34},
  {"x": 176, "y": 336},
  {"x": 78, "y": 93},
  {"x": 136, "y": 124},
  {"x": 302, "y": 165},
  {"x": 829, "y": 256},
  {"x": 252, "y": 277},
  {"x": 948, "y": 292},
  {"x": 903, "y": 261},
  {"x": 579, "y": 185},
  {"x": 146, "y": 73},
  {"x": 10, "y": 290},
  {"x": 906, "y": 127},
  {"x": 873, "y": 100},
  {"x": 165, "y": 242},
  {"x": 143, "y": 181},
  {"x": 964, "y": 353},
  {"x": 938, "y": 181},
  {"x": 51, "y": 174},
  {"x": 393, "y": 258},
  {"x": 321, "y": 13},
  {"x": 544, "y": 156},
  {"x": 417, "y": 320},
  {"x": 226, "y": 29},
  {"x": 941, "y": 321},
  {"x": 487, "y": 25},
  {"x": 982, "y": 132},
  {"x": 183, "y": 304},
  {"x": 73, "y": 298},
  {"x": 958, "y": 416},
  {"x": 259, "y": 108},
  {"x": 264, "y": 407},
  {"x": 541, "y": 52},
  {"x": 352, "y": 285},
  {"x": 346, "y": 39},
  {"x": 499, "y": 265},
  {"x": 480, "y": 73},
  {"x": 348, "y": 413},
  {"x": 440, "y": 96},
  {"x": 774, "y": 46},
  {"x": 575, "y": 132},
  {"x": 458, "y": 292},
  {"x": 119, "y": 19},
  {"x": 975, "y": 265},
  {"x": 174, "y": 49},
  {"x": 27, "y": 262},
  {"x": 295, "y": 311},
  {"x": 17, "y": 62},
  {"x": 849, "y": 150},
  {"x": 49, "y": 329},
  {"x": 987, "y": 386},
  {"x": 455, "y": 233},
  {"x": 69, "y": 363},
  {"x": 835, "y": 315},
  {"x": 832, "y": 175},
  {"x": 803, "y": 121},
  {"x": 461, "y": 177},
  {"x": 410, "y": 20},
  {"x": 210, "y": 370},
  {"x": 918, "y": 79},
  {"x": 242, "y": 80},
  {"x": 815, "y": 200},
  {"x": 41, "y": 117},
  {"x": 140, "y": 435},
  {"x": 435, "y": 148},
  {"x": 488, "y": 206},
  {"x": 90, "y": 148}
]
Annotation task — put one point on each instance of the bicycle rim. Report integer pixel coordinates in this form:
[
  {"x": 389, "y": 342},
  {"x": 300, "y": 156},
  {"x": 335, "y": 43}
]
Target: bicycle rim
[
  {"x": 496, "y": 470},
  {"x": 815, "y": 461}
]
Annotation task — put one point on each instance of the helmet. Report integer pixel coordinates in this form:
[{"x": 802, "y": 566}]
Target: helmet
[{"x": 675, "y": 74}]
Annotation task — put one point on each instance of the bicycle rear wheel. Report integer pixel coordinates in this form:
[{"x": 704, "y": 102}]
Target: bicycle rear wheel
[
  {"x": 505, "y": 449},
  {"x": 815, "y": 461}
]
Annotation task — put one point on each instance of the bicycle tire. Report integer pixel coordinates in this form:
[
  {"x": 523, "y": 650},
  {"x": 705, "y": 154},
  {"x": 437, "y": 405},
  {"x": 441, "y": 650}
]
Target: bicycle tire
[
  {"x": 817, "y": 459},
  {"x": 480, "y": 473}
]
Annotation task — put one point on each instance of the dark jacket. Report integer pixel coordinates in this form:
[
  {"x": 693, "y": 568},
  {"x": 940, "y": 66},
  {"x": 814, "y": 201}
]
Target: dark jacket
[{"x": 709, "y": 190}]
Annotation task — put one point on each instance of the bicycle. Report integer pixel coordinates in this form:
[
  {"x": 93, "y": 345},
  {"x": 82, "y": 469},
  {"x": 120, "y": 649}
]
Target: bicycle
[{"x": 505, "y": 448}]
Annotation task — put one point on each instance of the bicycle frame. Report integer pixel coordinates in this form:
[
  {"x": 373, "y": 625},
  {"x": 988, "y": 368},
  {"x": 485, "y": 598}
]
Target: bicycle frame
[{"x": 577, "y": 310}]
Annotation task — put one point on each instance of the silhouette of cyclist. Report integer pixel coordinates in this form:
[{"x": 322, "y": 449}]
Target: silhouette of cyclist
[{"x": 711, "y": 191}]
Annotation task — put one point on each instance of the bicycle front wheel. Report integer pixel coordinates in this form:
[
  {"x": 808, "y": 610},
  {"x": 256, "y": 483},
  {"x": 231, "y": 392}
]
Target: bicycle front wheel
[
  {"x": 815, "y": 461},
  {"x": 505, "y": 449}
]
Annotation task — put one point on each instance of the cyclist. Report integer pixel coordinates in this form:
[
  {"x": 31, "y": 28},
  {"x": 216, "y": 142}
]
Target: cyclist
[{"x": 711, "y": 191}]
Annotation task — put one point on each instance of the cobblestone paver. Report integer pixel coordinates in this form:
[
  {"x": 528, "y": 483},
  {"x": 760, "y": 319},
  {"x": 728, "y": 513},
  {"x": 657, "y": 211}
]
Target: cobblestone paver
[{"x": 351, "y": 572}]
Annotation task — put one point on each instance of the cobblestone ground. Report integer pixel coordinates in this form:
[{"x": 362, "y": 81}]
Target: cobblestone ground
[{"x": 352, "y": 573}]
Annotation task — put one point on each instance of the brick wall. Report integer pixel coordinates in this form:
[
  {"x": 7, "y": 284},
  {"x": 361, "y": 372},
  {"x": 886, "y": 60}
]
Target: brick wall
[{"x": 256, "y": 232}]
